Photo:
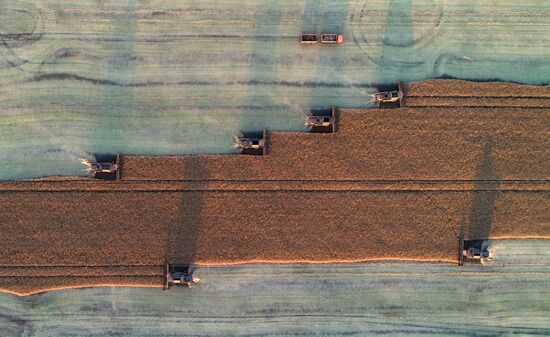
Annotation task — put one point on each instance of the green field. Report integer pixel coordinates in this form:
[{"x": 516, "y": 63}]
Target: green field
[{"x": 183, "y": 77}]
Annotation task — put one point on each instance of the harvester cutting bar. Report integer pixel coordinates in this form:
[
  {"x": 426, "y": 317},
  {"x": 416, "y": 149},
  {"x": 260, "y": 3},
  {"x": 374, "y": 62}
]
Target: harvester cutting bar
[{"x": 179, "y": 274}]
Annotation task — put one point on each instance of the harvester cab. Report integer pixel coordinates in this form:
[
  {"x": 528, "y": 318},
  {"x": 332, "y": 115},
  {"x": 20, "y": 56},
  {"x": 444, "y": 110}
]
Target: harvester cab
[
  {"x": 105, "y": 167},
  {"x": 322, "y": 121},
  {"x": 251, "y": 143},
  {"x": 179, "y": 275},
  {"x": 474, "y": 251},
  {"x": 389, "y": 98}
]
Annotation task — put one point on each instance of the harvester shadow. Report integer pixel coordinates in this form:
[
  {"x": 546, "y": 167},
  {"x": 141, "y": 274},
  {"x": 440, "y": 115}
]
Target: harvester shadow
[
  {"x": 267, "y": 25},
  {"x": 182, "y": 236},
  {"x": 398, "y": 36},
  {"x": 484, "y": 198},
  {"x": 326, "y": 17}
]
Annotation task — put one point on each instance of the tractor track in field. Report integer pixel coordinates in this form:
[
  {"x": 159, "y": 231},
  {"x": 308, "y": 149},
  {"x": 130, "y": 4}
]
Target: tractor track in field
[
  {"x": 474, "y": 106},
  {"x": 367, "y": 40},
  {"x": 133, "y": 180},
  {"x": 480, "y": 97},
  {"x": 280, "y": 186},
  {"x": 53, "y": 266}
]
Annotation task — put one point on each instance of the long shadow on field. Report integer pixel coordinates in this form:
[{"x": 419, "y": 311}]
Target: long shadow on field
[
  {"x": 325, "y": 16},
  {"x": 117, "y": 69},
  {"x": 398, "y": 40},
  {"x": 183, "y": 234},
  {"x": 267, "y": 21},
  {"x": 399, "y": 27},
  {"x": 483, "y": 202}
]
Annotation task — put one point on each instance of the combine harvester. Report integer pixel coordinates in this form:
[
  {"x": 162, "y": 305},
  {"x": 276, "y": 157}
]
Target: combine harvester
[
  {"x": 389, "y": 98},
  {"x": 179, "y": 275},
  {"x": 322, "y": 121},
  {"x": 252, "y": 143},
  {"x": 473, "y": 251},
  {"x": 322, "y": 38},
  {"x": 104, "y": 168}
]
